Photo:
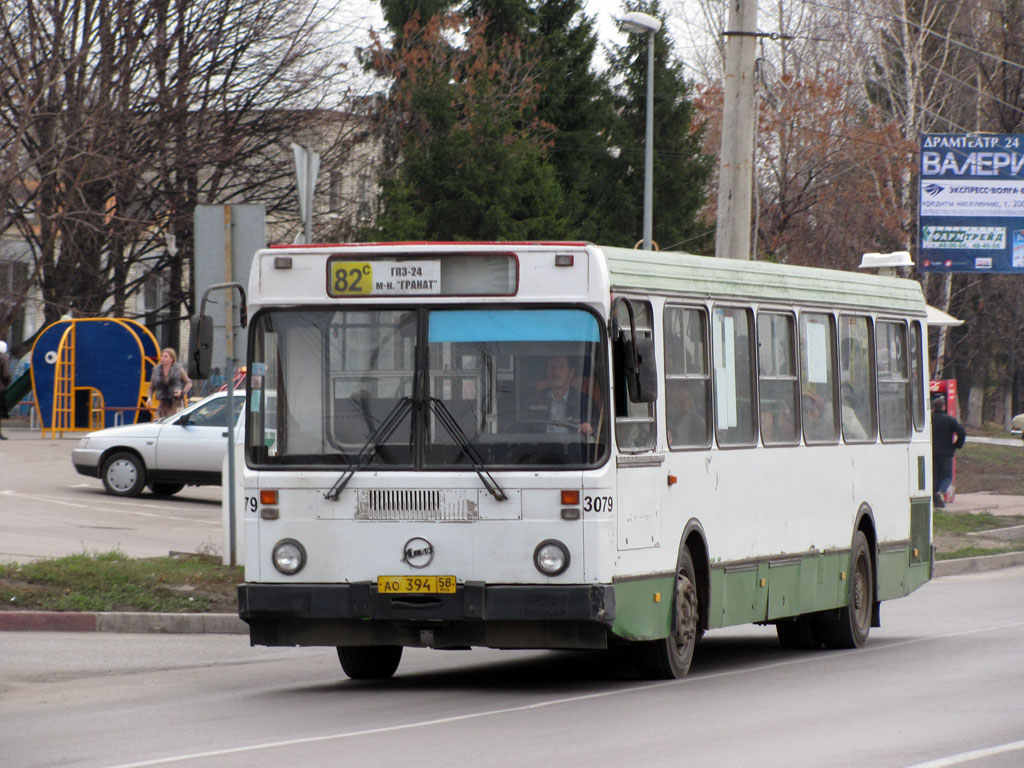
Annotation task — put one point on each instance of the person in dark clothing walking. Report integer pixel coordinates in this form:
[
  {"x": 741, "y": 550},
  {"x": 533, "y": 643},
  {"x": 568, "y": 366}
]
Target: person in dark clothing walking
[{"x": 948, "y": 437}]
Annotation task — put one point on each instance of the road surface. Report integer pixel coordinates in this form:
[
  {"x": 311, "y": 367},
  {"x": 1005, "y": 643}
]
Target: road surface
[{"x": 940, "y": 684}]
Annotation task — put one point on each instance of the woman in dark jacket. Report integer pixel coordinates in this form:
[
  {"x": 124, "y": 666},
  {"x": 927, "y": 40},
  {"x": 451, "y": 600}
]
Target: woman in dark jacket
[{"x": 170, "y": 384}]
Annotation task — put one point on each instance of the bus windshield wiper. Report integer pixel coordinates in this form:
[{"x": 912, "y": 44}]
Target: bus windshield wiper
[
  {"x": 382, "y": 433},
  {"x": 451, "y": 426}
]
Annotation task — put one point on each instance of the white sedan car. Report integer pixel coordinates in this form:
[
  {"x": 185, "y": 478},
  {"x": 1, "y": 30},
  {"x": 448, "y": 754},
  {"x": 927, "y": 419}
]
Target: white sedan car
[
  {"x": 187, "y": 448},
  {"x": 1017, "y": 425}
]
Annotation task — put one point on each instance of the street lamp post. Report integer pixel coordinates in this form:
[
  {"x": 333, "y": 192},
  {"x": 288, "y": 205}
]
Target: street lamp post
[{"x": 643, "y": 23}]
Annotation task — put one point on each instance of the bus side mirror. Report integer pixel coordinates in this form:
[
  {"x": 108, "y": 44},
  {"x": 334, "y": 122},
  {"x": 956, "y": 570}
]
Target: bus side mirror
[
  {"x": 641, "y": 369},
  {"x": 200, "y": 346}
]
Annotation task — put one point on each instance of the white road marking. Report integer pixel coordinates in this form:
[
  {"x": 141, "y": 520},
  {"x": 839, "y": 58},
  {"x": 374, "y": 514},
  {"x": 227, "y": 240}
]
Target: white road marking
[
  {"x": 117, "y": 504},
  {"x": 691, "y": 680},
  {"x": 967, "y": 757}
]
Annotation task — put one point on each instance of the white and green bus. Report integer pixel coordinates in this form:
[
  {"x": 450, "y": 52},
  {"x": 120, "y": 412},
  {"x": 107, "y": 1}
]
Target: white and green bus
[{"x": 562, "y": 445}]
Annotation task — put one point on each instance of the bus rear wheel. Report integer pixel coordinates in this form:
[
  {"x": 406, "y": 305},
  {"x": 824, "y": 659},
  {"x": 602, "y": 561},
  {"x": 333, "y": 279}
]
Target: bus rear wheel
[
  {"x": 851, "y": 628},
  {"x": 670, "y": 657},
  {"x": 369, "y": 662}
]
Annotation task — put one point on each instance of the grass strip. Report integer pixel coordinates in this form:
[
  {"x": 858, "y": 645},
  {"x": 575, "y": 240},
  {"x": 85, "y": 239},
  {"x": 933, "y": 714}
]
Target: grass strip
[
  {"x": 976, "y": 552},
  {"x": 113, "y": 581},
  {"x": 945, "y": 523}
]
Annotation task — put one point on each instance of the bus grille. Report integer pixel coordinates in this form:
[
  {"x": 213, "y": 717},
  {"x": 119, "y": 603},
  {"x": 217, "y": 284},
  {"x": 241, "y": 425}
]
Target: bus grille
[{"x": 434, "y": 506}]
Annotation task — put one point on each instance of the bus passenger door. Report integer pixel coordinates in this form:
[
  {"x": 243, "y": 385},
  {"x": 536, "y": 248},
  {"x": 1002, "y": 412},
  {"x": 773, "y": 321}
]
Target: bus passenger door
[{"x": 638, "y": 464}]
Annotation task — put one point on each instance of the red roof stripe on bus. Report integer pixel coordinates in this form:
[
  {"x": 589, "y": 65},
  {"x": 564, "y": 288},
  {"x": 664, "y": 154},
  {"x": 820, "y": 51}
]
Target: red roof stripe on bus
[{"x": 437, "y": 242}]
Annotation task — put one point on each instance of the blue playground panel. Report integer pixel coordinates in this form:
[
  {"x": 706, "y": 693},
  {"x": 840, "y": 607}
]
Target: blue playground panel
[{"x": 113, "y": 356}]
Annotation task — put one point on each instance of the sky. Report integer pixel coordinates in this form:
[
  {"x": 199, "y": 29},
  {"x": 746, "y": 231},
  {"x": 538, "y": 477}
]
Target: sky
[
  {"x": 361, "y": 15},
  {"x": 367, "y": 13}
]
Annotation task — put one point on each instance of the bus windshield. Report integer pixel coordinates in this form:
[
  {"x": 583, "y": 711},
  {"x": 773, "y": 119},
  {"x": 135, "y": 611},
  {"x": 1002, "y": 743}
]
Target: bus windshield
[{"x": 508, "y": 387}]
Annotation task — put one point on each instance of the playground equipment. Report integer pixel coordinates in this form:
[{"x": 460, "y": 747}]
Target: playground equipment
[{"x": 92, "y": 373}]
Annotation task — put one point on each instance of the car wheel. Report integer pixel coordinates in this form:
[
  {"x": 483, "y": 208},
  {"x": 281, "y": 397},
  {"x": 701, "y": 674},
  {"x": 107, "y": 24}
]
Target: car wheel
[
  {"x": 165, "y": 489},
  {"x": 124, "y": 474}
]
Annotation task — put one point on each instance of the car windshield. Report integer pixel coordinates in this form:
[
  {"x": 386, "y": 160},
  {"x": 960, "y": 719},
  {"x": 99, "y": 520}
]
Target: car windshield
[{"x": 494, "y": 387}]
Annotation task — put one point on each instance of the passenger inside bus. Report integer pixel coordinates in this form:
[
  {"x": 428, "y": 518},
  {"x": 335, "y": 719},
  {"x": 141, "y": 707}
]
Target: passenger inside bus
[
  {"x": 819, "y": 423},
  {"x": 687, "y": 416},
  {"x": 853, "y": 427}
]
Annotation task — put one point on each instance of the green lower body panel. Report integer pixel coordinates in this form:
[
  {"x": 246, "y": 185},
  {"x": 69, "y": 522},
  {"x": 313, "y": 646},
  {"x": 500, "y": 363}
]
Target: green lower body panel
[
  {"x": 896, "y": 578},
  {"x": 765, "y": 590},
  {"x": 643, "y": 607},
  {"x": 760, "y": 591}
]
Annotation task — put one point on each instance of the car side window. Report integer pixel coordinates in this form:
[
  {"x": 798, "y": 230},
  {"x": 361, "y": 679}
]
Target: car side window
[{"x": 214, "y": 414}]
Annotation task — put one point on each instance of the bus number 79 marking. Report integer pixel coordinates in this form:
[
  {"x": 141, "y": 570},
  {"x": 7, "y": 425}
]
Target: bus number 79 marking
[{"x": 597, "y": 504}]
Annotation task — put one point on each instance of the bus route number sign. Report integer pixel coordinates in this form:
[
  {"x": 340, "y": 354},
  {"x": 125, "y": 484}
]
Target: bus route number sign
[{"x": 389, "y": 277}]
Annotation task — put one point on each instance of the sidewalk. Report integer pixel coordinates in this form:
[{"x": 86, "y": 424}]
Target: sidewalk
[{"x": 993, "y": 504}]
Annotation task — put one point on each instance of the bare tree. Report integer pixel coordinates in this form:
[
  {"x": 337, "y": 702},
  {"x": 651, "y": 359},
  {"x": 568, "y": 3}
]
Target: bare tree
[{"x": 123, "y": 115}]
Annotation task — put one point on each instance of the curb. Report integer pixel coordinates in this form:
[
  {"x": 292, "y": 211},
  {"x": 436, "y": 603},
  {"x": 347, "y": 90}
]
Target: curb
[
  {"x": 146, "y": 623},
  {"x": 978, "y": 564},
  {"x": 230, "y": 624}
]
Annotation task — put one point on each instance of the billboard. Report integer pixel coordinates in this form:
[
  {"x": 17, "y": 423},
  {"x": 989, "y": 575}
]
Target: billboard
[{"x": 971, "y": 212}]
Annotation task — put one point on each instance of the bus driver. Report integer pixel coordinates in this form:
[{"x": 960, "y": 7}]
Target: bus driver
[{"x": 559, "y": 398}]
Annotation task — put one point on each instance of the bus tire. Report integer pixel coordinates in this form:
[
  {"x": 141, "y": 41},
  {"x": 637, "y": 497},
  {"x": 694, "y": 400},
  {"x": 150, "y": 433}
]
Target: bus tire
[
  {"x": 669, "y": 658},
  {"x": 799, "y": 634},
  {"x": 850, "y": 629},
  {"x": 369, "y": 662}
]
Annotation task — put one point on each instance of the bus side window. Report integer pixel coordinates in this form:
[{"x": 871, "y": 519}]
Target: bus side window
[
  {"x": 857, "y": 379},
  {"x": 732, "y": 337},
  {"x": 777, "y": 382},
  {"x": 634, "y": 422},
  {"x": 916, "y": 374},
  {"x": 891, "y": 362},
  {"x": 687, "y": 378},
  {"x": 817, "y": 372}
]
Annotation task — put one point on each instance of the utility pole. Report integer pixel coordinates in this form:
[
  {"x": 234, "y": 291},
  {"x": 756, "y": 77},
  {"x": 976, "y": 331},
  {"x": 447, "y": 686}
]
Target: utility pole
[{"x": 736, "y": 163}]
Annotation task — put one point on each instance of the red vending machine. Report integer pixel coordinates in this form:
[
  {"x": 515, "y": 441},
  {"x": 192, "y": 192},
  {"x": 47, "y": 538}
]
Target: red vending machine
[{"x": 947, "y": 387}]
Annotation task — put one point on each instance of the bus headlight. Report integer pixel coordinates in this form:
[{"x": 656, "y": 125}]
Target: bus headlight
[
  {"x": 551, "y": 557},
  {"x": 289, "y": 556}
]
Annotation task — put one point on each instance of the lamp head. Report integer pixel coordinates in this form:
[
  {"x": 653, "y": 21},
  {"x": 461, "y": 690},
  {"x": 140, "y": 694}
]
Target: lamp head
[{"x": 644, "y": 23}]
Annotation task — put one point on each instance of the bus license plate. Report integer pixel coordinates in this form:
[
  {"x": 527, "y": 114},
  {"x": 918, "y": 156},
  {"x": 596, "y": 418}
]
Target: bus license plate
[{"x": 415, "y": 585}]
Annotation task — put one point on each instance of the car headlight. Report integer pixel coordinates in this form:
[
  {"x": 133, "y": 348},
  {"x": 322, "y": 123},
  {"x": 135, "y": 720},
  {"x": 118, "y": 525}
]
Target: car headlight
[
  {"x": 551, "y": 557},
  {"x": 289, "y": 556}
]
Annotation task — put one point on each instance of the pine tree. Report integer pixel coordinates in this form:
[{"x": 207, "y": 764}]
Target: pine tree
[
  {"x": 681, "y": 168},
  {"x": 462, "y": 119},
  {"x": 578, "y": 102}
]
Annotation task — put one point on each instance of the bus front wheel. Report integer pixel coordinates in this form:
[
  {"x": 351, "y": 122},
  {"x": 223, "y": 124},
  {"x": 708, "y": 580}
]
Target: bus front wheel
[
  {"x": 670, "y": 657},
  {"x": 369, "y": 662},
  {"x": 851, "y": 628}
]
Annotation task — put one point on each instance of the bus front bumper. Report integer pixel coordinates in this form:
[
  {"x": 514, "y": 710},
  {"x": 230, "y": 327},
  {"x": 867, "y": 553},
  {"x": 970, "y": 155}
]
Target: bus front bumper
[{"x": 477, "y": 614}]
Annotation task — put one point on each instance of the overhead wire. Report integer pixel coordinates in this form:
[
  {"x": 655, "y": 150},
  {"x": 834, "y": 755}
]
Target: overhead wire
[{"x": 920, "y": 27}]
